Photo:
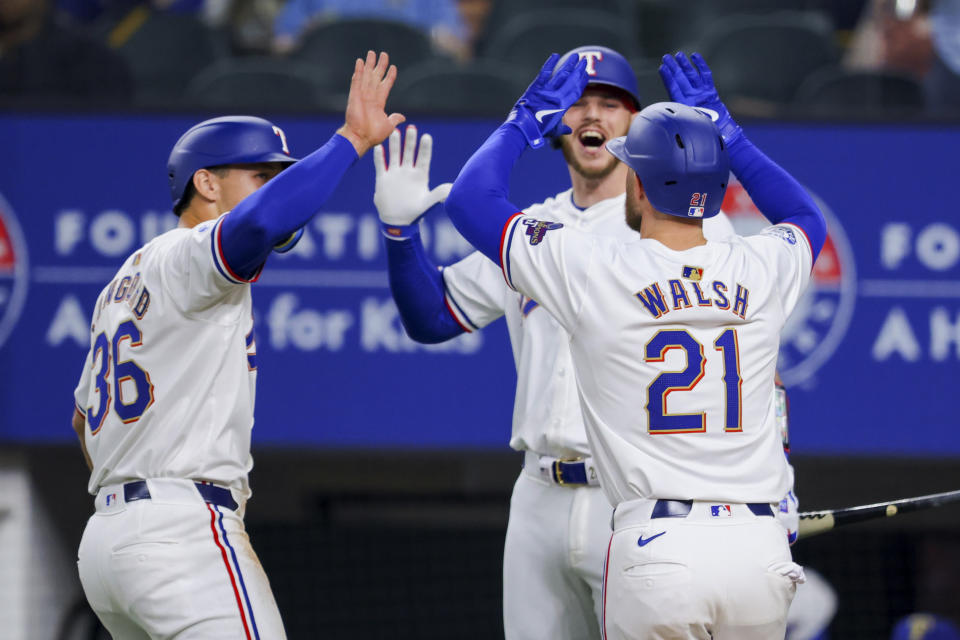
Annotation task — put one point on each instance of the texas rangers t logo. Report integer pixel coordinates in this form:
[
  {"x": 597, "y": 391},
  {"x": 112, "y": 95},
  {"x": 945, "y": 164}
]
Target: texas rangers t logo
[
  {"x": 283, "y": 138},
  {"x": 592, "y": 58},
  {"x": 537, "y": 229}
]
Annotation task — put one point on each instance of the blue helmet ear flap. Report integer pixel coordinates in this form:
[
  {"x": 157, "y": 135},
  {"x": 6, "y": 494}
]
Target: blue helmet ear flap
[{"x": 679, "y": 155}]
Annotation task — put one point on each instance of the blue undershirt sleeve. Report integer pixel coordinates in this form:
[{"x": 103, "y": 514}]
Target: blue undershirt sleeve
[
  {"x": 417, "y": 287},
  {"x": 269, "y": 215},
  {"x": 478, "y": 204},
  {"x": 776, "y": 193}
]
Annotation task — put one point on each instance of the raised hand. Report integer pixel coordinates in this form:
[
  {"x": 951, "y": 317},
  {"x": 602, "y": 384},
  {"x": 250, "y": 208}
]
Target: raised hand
[
  {"x": 540, "y": 109},
  {"x": 692, "y": 85},
  {"x": 402, "y": 193},
  {"x": 367, "y": 123}
]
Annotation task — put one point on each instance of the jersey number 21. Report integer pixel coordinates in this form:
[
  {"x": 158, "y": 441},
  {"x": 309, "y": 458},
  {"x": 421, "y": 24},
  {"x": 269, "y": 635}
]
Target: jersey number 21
[{"x": 659, "y": 421}]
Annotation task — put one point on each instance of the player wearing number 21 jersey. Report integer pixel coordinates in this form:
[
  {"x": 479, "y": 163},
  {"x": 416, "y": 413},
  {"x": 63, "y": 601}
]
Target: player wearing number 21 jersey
[
  {"x": 558, "y": 527},
  {"x": 674, "y": 341}
]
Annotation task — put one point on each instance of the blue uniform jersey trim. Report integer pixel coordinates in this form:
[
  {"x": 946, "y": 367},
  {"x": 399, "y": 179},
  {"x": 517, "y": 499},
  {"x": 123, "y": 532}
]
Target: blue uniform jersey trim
[
  {"x": 460, "y": 313},
  {"x": 509, "y": 230}
]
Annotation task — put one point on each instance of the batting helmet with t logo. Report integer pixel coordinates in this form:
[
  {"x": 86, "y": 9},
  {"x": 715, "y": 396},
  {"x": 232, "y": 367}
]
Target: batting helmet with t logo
[
  {"x": 222, "y": 141},
  {"x": 607, "y": 67}
]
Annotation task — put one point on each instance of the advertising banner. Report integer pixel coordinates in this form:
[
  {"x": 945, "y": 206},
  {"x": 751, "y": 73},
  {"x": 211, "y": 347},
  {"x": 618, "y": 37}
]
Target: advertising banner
[{"x": 870, "y": 356}]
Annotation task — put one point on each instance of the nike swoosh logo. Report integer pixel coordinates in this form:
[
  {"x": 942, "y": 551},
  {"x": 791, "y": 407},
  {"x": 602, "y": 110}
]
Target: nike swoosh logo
[
  {"x": 642, "y": 543},
  {"x": 540, "y": 115},
  {"x": 710, "y": 112}
]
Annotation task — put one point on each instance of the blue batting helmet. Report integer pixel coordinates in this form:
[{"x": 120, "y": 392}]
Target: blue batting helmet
[
  {"x": 220, "y": 141},
  {"x": 607, "y": 67},
  {"x": 680, "y": 158}
]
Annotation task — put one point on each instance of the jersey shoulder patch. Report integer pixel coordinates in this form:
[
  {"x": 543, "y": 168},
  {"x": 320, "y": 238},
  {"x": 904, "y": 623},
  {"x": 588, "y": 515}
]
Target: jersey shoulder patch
[
  {"x": 783, "y": 232},
  {"x": 537, "y": 229}
]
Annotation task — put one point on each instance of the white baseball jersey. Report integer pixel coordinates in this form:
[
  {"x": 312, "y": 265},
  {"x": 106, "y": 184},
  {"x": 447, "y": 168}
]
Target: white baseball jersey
[
  {"x": 168, "y": 384},
  {"x": 547, "y": 417},
  {"x": 674, "y": 352}
]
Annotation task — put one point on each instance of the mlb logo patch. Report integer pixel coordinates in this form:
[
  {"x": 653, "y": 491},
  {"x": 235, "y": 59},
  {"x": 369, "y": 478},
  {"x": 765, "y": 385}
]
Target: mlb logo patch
[
  {"x": 695, "y": 212},
  {"x": 537, "y": 229},
  {"x": 693, "y": 273},
  {"x": 720, "y": 511},
  {"x": 111, "y": 497}
]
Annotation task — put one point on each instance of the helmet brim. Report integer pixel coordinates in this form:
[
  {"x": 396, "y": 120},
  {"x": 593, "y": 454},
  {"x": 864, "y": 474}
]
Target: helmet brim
[{"x": 617, "y": 148}]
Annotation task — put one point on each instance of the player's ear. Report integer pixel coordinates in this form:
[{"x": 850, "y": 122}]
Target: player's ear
[
  {"x": 206, "y": 184},
  {"x": 635, "y": 184}
]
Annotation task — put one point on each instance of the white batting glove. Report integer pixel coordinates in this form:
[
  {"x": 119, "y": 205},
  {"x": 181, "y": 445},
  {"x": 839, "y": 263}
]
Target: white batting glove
[
  {"x": 789, "y": 515},
  {"x": 402, "y": 194}
]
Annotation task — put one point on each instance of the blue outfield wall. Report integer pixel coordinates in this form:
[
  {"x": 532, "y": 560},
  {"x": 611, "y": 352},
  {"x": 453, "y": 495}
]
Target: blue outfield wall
[{"x": 871, "y": 355}]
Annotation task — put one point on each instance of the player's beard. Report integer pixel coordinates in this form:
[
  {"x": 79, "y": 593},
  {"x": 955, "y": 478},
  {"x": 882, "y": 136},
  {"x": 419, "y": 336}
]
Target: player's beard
[
  {"x": 634, "y": 214},
  {"x": 566, "y": 145}
]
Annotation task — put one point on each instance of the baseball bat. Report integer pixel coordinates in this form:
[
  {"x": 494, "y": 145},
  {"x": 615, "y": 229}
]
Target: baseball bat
[{"x": 816, "y": 522}]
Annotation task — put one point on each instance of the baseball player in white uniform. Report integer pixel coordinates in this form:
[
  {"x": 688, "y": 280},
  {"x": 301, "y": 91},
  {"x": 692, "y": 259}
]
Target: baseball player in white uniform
[
  {"x": 164, "y": 407},
  {"x": 559, "y": 518},
  {"x": 674, "y": 342}
]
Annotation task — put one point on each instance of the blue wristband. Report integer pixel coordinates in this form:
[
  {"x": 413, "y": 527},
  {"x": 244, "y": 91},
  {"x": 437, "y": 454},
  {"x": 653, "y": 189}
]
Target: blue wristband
[{"x": 399, "y": 231}]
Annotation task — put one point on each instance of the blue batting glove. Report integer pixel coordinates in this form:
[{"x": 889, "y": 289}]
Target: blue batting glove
[
  {"x": 290, "y": 242},
  {"x": 692, "y": 85},
  {"x": 540, "y": 109}
]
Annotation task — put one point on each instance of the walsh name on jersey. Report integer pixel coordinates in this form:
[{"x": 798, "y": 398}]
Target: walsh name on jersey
[{"x": 686, "y": 295}]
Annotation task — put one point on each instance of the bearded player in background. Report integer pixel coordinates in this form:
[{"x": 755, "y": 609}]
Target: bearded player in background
[{"x": 559, "y": 522}]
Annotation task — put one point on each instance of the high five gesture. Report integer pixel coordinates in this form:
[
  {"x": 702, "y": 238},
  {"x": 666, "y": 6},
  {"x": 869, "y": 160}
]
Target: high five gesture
[{"x": 367, "y": 123}]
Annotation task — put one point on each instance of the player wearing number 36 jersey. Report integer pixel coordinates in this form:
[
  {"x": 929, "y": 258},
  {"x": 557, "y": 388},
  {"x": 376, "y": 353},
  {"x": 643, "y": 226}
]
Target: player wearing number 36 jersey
[
  {"x": 164, "y": 407},
  {"x": 674, "y": 341}
]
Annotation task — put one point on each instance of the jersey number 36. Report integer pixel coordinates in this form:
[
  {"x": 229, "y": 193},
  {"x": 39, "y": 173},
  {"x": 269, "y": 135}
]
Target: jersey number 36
[{"x": 126, "y": 374}]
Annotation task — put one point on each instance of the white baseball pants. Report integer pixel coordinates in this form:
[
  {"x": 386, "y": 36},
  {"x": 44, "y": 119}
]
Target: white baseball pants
[
  {"x": 720, "y": 573},
  {"x": 173, "y": 567},
  {"x": 553, "y": 561}
]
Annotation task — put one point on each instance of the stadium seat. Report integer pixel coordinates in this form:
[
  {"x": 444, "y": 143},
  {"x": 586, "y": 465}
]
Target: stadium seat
[
  {"x": 504, "y": 12},
  {"x": 649, "y": 83},
  {"x": 482, "y": 88},
  {"x": 767, "y": 57},
  {"x": 836, "y": 89},
  {"x": 163, "y": 51},
  {"x": 260, "y": 82},
  {"x": 526, "y": 41},
  {"x": 333, "y": 46},
  {"x": 664, "y": 26}
]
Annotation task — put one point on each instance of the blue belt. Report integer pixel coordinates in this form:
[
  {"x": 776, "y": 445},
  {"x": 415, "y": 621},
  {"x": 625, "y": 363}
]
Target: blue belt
[
  {"x": 573, "y": 472},
  {"x": 681, "y": 509},
  {"x": 219, "y": 496}
]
